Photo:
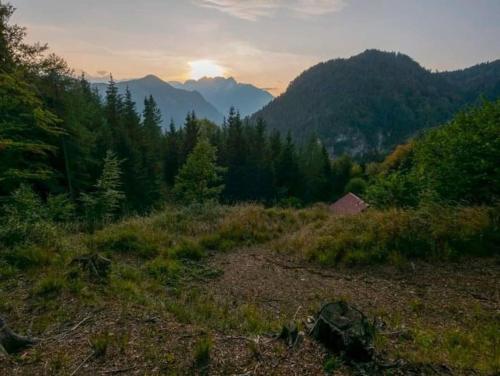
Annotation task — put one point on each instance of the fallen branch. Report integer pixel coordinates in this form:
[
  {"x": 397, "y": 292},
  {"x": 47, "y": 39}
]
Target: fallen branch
[
  {"x": 82, "y": 363},
  {"x": 65, "y": 333},
  {"x": 119, "y": 370}
]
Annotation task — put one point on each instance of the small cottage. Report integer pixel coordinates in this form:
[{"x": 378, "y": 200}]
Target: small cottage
[{"x": 348, "y": 205}]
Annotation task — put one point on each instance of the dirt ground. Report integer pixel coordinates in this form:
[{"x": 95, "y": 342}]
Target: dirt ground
[{"x": 145, "y": 342}]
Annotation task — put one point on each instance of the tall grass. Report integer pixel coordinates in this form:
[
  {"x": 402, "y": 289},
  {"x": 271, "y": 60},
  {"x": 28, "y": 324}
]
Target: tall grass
[{"x": 431, "y": 232}]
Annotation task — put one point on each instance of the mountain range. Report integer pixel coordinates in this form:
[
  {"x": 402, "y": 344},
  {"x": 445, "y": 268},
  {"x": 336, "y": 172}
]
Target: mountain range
[
  {"x": 209, "y": 98},
  {"x": 373, "y": 101},
  {"x": 225, "y": 93}
]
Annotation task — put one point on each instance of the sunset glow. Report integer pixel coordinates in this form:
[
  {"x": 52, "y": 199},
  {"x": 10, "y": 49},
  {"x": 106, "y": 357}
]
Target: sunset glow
[{"x": 205, "y": 68}]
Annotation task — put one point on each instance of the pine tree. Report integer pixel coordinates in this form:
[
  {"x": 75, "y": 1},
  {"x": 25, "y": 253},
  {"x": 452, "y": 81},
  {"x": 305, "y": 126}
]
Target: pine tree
[
  {"x": 317, "y": 172},
  {"x": 199, "y": 180},
  {"x": 235, "y": 158},
  {"x": 171, "y": 154},
  {"x": 102, "y": 205},
  {"x": 288, "y": 176},
  {"x": 28, "y": 135},
  {"x": 152, "y": 151},
  {"x": 190, "y": 136}
]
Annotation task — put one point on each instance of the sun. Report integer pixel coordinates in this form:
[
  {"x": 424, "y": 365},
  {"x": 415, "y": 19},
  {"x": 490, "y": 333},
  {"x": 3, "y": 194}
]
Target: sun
[{"x": 205, "y": 68}]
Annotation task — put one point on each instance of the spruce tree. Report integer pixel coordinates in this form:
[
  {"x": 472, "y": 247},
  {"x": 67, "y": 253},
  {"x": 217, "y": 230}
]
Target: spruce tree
[
  {"x": 171, "y": 154},
  {"x": 152, "y": 151},
  {"x": 199, "y": 180}
]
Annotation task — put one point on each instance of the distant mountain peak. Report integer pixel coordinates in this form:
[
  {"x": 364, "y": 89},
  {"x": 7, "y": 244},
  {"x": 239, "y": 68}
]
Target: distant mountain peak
[
  {"x": 174, "y": 103},
  {"x": 226, "y": 92},
  {"x": 151, "y": 78}
]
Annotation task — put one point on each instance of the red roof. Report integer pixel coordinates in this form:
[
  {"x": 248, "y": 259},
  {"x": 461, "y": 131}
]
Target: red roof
[{"x": 349, "y": 204}]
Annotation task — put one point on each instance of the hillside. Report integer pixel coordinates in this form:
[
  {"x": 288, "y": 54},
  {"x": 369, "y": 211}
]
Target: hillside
[
  {"x": 201, "y": 291},
  {"x": 225, "y": 93},
  {"x": 373, "y": 101},
  {"x": 174, "y": 103}
]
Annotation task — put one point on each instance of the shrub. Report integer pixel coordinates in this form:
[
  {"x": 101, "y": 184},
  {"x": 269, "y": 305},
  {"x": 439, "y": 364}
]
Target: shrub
[{"x": 25, "y": 219}]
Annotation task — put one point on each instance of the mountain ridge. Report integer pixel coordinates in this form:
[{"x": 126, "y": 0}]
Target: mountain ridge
[
  {"x": 174, "y": 103},
  {"x": 372, "y": 101},
  {"x": 225, "y": 93}
]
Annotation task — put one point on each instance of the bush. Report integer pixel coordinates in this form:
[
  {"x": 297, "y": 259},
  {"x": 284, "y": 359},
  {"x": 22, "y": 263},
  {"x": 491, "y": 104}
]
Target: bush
[{"x": 25, "y": 219}]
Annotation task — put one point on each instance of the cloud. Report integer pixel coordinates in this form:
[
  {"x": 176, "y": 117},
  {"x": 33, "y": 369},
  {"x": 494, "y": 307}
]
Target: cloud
[{"x": 254, "y": 9}]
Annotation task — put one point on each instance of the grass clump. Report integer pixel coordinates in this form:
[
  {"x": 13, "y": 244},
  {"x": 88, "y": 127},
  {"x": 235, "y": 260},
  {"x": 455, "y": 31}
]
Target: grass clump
[
  {"x": 163, "y": 269},
  {"x": 202, "y": 352},
  {"x": 49, "y": 286},
  {"x": 99, "y": 344},
  {"x": 332, "y": 364},
  {"x": 125, "y": 240},
  {"x": 187, "y": 250}
]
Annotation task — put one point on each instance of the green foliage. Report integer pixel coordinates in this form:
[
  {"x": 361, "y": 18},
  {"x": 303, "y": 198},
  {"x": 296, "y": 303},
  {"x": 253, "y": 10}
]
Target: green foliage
[
  {"x": 100, "y": 344},
  {"x": 356, "y": 186},
  {"x": 456, "y": 163},
  {"x": 202, "y": 352},
  {"x": 199, "y": 180},
  {"x": 332, "y": 364},
  {"x": 28, "y": 133},
  {"x": 102, "y": 205},
  {"x": 26, "y": 219}
]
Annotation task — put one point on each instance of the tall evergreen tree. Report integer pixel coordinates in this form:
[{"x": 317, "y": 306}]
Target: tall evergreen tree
[
  {"x": 189, "y": 135},
  {"x": 171, "y": 154},
  {"x": 199, "y": 180},
  {"x": 28, "y": 135},
  {"x": 288, "y": 176},
  {"x": 152, "y": 151},
  {"x": 235, "y": 158}
]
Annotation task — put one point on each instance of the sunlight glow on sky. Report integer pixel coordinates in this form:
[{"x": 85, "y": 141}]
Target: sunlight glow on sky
[
  {"x": 263, "y": 42},
  {"x": 205, "y": 68}
]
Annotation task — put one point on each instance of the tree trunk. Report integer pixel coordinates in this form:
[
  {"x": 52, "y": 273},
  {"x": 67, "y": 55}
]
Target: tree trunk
[{"x": 11, "y": 342}]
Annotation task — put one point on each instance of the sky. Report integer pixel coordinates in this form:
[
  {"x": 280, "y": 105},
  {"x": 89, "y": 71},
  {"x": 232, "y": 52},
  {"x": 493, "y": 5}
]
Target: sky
[{"x": 263, "y": 42}]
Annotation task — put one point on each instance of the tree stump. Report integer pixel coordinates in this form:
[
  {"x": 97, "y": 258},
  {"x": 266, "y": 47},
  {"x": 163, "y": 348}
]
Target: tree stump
[
  {"x": 345, "y": 330},
  {"x": 11, "y": 342},
  {"x": 94, "y": 265}
]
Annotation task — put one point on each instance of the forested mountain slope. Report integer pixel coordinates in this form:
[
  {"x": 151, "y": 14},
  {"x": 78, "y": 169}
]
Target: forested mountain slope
[{"x": 373, "y": 101}]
